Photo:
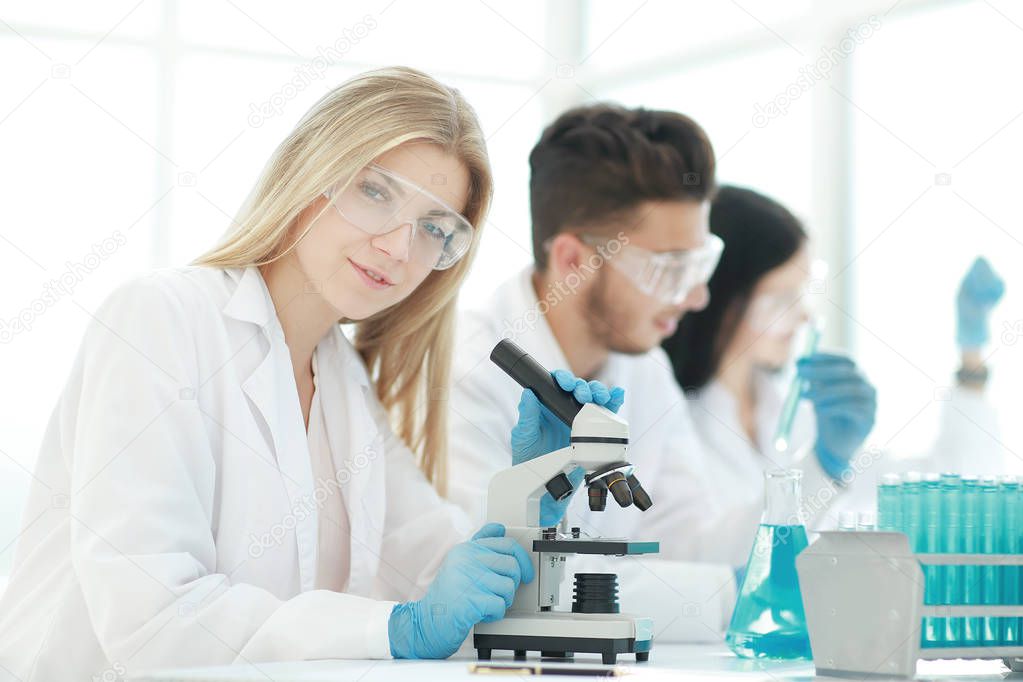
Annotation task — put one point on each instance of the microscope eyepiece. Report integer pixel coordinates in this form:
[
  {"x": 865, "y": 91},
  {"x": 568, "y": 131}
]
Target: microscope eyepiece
[{"x": 520, "y": 366}]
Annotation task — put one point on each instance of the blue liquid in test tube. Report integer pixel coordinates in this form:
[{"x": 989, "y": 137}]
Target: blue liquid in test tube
[
  {"x": 930, "y": 505},
  {"x": 971, "y": 532},
  {"x": 951, "y": 542},
  {"x": 1009, "y": 543},
  {"x": 990, "y": 575},
  {"x": 889, "y": 503}
]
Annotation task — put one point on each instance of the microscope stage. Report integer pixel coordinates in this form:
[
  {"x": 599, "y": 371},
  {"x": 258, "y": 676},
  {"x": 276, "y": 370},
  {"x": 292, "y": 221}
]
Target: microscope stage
[{"x": 596, "y": 546}]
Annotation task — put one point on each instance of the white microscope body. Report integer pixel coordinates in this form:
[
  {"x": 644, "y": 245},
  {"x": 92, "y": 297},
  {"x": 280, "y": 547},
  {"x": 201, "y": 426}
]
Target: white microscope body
[{"x": 599, "y": 439}]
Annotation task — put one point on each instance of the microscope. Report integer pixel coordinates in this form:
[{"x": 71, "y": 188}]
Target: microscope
[{"x": 598, "y": 442}]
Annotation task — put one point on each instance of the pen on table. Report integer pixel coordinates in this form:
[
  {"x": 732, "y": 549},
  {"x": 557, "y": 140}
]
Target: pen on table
[{"x": 497, "y": 669}]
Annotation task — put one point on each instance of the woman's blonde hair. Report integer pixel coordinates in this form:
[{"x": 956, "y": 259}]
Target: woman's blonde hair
[{"x": 407, "y": 348}]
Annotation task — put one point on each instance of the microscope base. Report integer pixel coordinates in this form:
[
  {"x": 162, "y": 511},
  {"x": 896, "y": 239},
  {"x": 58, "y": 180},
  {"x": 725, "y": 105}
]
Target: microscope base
[{"x": 604, "y": 634}]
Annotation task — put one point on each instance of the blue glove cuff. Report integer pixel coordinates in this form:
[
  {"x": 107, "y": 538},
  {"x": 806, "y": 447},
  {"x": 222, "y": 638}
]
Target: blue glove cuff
[{"x": 402, "y": 627}]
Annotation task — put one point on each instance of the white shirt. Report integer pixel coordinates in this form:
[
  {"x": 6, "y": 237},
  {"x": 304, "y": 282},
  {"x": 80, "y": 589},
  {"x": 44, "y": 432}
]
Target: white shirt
[
  {"x": 334, "y": 534},
  {"x": 690, "y": 601},
  {"x": 172, "y": 520}
]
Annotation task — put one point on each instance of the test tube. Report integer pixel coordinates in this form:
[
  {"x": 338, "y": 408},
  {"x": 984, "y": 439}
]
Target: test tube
[
  {"x": 930, "y": 505},
  {"x": 796, "y": 388},
  {"x": 889, "y": 503},
  {"x": 1019, "y": 570},
  {"x": 990, "y": 583},
  {"x": 950, "y": 542},
  {"x": 1009, "y": 543},
  {"x": 971, "y": 582},
  {"x": 911, "y": 509}
]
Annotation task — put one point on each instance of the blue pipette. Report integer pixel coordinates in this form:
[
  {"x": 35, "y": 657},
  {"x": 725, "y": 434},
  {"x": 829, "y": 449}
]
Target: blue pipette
[{"x": 788, "y": 410}]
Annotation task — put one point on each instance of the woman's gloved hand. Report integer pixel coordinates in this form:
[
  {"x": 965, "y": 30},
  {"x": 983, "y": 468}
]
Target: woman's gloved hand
[
  {"x": 475, "y": 584},
  {"x": 539, "y": 431},
  {"x": 845, "y": 404},
  {"x": 979, "y": 292}
]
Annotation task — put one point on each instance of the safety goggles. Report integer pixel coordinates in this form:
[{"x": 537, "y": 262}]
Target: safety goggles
[
  {"x": 378, "y": 201},
  {"x": 668, "y": 276},
  {"x": 784, "y": 312}
]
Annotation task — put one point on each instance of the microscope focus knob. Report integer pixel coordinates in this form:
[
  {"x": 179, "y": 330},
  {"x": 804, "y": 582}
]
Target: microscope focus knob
[{"x": 559, "y": 487}]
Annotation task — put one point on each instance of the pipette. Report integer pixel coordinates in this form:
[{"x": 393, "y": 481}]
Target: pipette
[{"x": 788, "y": 410}]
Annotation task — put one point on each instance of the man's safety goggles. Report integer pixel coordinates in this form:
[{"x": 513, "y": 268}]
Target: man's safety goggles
[{"x": 667, "y": 276}]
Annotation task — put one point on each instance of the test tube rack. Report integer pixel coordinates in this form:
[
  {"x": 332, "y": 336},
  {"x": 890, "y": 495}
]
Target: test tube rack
[{"x": 863, "y": 594}]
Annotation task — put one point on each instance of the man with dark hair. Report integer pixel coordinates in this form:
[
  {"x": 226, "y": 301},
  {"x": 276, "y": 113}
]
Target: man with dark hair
[
  {"x": 603, "y": 171},
  {"x": 622, "y": 249}
]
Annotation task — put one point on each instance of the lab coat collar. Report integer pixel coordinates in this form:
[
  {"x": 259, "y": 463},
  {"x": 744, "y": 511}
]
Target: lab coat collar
[{"x": 251, "y": 302}]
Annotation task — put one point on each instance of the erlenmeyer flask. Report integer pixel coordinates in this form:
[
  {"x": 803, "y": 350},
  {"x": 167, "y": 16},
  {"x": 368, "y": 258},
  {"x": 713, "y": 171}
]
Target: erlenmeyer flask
[{"x": 768, "y": 620}]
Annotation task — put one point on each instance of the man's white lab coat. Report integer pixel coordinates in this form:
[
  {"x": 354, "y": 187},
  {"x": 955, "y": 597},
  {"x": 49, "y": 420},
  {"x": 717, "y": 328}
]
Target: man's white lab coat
[{"x": 689, "y": 601}]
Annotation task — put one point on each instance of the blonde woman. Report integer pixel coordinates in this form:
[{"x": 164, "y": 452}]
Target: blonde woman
[{"x": 220, "y": 480}]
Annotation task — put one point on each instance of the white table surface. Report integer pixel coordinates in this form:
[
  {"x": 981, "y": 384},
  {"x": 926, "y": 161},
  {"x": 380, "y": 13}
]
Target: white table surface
[{"x": 667, "y": 661}]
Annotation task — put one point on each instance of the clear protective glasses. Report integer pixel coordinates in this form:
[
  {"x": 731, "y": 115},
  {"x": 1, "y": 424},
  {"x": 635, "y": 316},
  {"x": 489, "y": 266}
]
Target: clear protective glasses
[
  {"x": 782, "y": 313},
  {"x": 668, "y": 276},
  {"x": 378, "y": 201}
]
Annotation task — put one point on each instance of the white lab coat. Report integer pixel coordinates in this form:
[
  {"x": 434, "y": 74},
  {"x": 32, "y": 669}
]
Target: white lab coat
[
  {"x": 173, "y": 520},
  {"x": 688, "y": 601},
  {"x": 969, "y": 438}
]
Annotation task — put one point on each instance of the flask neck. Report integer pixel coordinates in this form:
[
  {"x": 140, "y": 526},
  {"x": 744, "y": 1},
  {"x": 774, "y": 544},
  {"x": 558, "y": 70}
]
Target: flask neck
[{"x": 782, "y": 495}]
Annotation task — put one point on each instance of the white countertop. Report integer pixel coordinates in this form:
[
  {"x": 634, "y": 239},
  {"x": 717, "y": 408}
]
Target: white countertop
[{"x": 667, "y": 661}]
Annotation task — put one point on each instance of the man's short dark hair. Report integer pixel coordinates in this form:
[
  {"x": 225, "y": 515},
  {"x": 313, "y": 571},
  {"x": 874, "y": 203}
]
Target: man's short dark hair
[{"x": 596, "y": 164}]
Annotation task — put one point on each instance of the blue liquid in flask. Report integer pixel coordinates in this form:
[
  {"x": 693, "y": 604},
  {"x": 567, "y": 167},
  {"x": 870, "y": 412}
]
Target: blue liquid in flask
[{"x": 768, "y": 620}]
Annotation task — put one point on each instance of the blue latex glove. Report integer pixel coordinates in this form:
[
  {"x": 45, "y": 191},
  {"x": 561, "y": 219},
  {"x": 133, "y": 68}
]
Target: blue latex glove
[
  {"x": 979, "y": 291},
  {"x": 475, "y": 584},
  {"x": 538, "y": 432},
  {"x": 845, "y": 404}
]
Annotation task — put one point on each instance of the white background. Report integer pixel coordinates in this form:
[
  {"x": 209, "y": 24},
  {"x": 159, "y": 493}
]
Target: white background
[{"x": 133, "y": 118}]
